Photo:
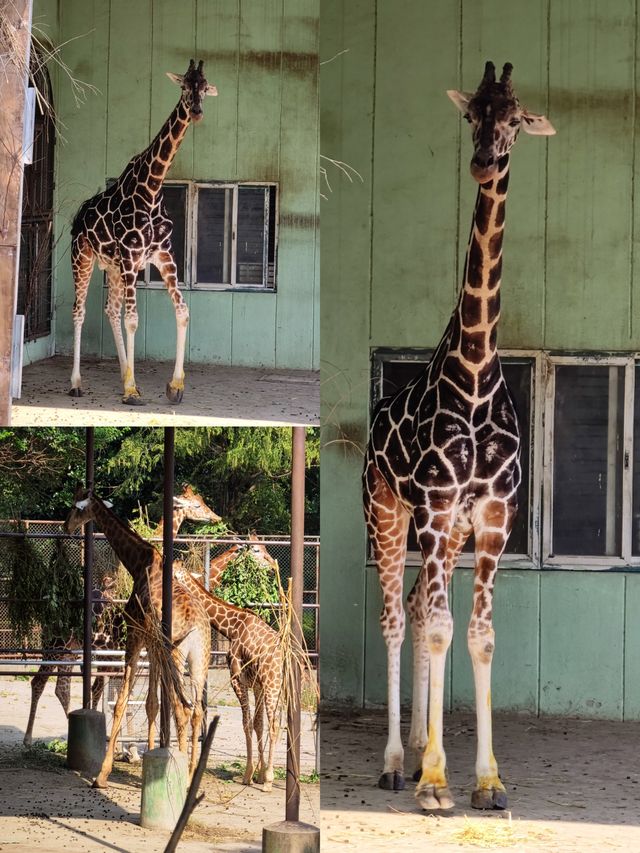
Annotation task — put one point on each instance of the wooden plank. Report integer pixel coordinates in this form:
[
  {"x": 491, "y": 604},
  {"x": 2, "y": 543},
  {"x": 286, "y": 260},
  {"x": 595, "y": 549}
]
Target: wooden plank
[
  {"x": 18, "y": 18},
  {"x": 299, "y": 164},
  {"x": 259, "y": 91},
  {"x": 174, "y": 42},
  {"x": 217, "y": 35},
  {"x": 253, "y": 329},
  {"x": 521, "y": 38},
  {"x": 590, "y": 173},
  {"x": 581, "y": 615},
  {"x": 210, "y": 327},
  {"x": 415, "y": 180},
  {"x": 632, "y": 649},
  {"x": 81, "y": 160},
  {"x": 129, "y": 87},
  {"x": 515, "y": 669}
]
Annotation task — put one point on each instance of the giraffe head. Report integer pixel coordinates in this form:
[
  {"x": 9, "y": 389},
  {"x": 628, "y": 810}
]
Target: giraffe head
[
  {"x": 496, "y": 117},
  {"x": 259, "y": 552},
  {"x": 82, "y": 510},
  {"x": 194, "y": 507},
  {"x": 194, "y": 88}
]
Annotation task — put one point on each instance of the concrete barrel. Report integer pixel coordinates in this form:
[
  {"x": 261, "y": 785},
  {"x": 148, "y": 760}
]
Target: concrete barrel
[
  {"x": 290, "y": 837},
  {"x": 87, "y": 742},
  {"x": 165, "y": 779}
]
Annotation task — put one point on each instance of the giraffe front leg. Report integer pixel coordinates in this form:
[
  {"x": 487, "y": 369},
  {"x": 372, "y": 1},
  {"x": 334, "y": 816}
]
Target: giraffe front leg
[
  {"x": 388, "y": 523},
  {"x": 429, "y": 613},
  {"x": 82, "y": 261},
  {"x": 113, "y": 310},
  {"x": 169, "y": 271},
  {"x": 132, "y": 395},
  {"x": 496, "y": 519},
  {"x": 38, "y": 683}
]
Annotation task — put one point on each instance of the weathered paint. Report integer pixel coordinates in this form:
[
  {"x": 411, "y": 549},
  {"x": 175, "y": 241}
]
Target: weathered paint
[
  {"x": 392, "y": 253},
  {"x": 263, "y": 126}
]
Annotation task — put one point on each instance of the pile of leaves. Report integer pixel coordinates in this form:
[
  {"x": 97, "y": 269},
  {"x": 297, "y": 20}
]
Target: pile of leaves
[{"x": 247, "y": 582}]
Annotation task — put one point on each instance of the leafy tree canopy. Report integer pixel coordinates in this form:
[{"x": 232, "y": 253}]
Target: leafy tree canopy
[{"x": 243, "y": 473}]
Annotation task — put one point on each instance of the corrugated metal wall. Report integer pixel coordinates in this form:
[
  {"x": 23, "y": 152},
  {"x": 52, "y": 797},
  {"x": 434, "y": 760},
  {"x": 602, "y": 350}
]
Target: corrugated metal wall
[
  {"x": 263, "y": 126},
  {"x": 392, "y": 254}
]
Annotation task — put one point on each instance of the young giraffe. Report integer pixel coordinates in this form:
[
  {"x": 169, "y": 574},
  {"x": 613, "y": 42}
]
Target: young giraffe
[
  {"x": 107, "y": 636},
  {"x": 191, "y": 633},
  {"x": 444, "y": 451},
  {"x": 255, "y": 663},
  {"x": 124, "y": 228},
  {"x": 255, "y": 548}
]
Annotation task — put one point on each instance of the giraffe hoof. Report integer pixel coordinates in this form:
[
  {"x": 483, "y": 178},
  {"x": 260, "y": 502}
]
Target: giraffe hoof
[
  {"x": 27, "y": 740},
  {"x": 489, "y": 798},
  {"x": 76, "y": 392},
  {"x": 434, "y": 797},
  {"x": 99, "y": 782},
  {"x": 392, "y": 781},
  {"x": 133, "y": 400},
  {"x": 174, "y": 395}
]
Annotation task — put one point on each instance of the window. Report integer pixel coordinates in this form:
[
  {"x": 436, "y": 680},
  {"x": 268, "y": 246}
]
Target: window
[
  {"x": 580, "y": 427},
  {"x": 224, "y": 236}
]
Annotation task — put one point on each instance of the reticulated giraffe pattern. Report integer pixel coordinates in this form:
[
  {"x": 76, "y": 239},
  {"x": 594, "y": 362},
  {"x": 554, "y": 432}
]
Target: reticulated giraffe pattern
[
  {"x": 444, "y": 452},
  {"x": 255, "y": 663},
  {"x": 190, "y": 629},
  {"x": 127, "y": 226}
]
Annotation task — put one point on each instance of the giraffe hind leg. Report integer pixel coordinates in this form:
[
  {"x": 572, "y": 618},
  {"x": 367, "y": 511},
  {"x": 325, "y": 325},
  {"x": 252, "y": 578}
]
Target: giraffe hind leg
[{"x": 168, "y": 269}]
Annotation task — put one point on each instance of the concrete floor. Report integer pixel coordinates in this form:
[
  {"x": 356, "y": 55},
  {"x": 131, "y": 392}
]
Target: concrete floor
[
  {"x": 228, "y": 396},
  {"x": 56, "y": 809},
  {"x": 573, "y": 787}
]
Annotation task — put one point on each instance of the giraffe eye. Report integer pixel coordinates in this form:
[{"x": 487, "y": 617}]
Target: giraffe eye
[
  {"x": 514, "y": 122},
  {"x": 467, "y": 117}
]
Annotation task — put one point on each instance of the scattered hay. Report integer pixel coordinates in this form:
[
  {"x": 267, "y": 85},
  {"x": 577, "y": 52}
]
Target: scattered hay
[{"x": 493, "y": 834}]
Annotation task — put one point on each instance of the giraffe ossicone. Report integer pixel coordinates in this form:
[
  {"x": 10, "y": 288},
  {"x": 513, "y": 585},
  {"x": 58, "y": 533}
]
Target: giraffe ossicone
[
  {"x": 444, "y": 452},
  {"x": 127, "y": 226}
]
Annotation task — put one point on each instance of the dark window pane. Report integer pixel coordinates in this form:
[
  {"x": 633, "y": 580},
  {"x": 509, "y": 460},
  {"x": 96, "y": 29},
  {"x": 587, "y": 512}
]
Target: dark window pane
[
  {"x": 250, "y": 257},
  {"x": 587, "y": 453},
  {"x": 215, "y": 207},
  {"x": 175, "y": 198},
  {"x": 517, "y": 373}
]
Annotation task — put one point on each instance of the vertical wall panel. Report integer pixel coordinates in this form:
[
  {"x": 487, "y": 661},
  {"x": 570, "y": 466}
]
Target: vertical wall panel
[
  {"x": 581, "y": 644},
  {"x": 632, "y": 649},
  {"x": 590, "y": 174},
  {"x": 415, "y": 173},
  {"x": 253, "y": 341},
  {"x": 210, "y": 327}
]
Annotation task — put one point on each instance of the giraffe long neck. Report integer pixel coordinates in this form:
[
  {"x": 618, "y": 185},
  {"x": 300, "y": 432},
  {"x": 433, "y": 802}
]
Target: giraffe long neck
[
  {"x": 135, "y": 554},
  {"x": 222, "y": 615},
  {"x": 155, "y": 161},
  {"x": 219, "y": 564},
  {"x": 177, "y": 518},
  {"x": 474, "y": 326}
]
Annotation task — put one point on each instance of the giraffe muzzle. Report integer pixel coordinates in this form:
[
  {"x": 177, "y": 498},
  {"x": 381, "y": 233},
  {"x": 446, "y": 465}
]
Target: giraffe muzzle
[{"x": 483, "y": 171}]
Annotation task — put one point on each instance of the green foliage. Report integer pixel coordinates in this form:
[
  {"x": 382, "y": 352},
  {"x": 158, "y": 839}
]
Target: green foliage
[
  {"x": 247, "y": 581},
  {"x": 45, "y": 592}
]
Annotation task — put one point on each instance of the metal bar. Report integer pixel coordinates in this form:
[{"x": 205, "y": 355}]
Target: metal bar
[
  {"x": 167, "y": 573},
  {"x": 292, "y": 808},
  {"x": 87, "y": 632}
]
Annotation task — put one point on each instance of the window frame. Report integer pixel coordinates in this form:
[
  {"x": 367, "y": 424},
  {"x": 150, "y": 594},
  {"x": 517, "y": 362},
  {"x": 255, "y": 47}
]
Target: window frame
[
  {"x": 191, "y": 241},
  {"x": 542, "y": 407}
]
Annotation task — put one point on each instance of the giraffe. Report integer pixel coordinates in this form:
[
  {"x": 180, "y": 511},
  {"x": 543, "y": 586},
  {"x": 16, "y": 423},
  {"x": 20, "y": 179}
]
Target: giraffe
[
  {"x": 254, "y": 546},
  {"x": 188, "y": 506},
  {"x": 255, "y": 663},
  {"x": 191, "y": 633},
  {"x": 444, "y": 452},
  {"x": 64, "y": 649},
  {"x": 125, "y": 227}
]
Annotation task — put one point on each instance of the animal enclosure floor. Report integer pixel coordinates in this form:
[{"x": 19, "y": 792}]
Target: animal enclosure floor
[
  {"x": 56, "y": 809},
  {"x": 228, "y": 396},
  {"x": 573, "y": 787}
]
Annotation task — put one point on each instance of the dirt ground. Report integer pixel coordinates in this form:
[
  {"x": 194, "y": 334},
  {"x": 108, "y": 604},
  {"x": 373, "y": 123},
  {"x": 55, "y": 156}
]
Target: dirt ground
[
  {"x": 229, "y": 396},
  {"x": 573, "y": 786},
  {"x": 45, "y": 807}
]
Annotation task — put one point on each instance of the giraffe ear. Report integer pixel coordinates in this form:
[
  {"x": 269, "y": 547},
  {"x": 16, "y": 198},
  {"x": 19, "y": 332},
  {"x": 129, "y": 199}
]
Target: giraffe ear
[
  {"x": 176, "y": 78},
  {"x": 82, "y": 504},
  {"x": 537, "y": 125},
  {"x": 180, "y": 501},
  {"x": 108, "y": 504},
  {"x": 460, "y": 99},
  {"x": 211, "y": 89}
]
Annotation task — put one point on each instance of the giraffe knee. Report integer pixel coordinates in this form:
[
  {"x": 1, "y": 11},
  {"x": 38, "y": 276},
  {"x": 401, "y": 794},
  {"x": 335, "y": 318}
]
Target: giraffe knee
[
  {"x": 392, "y": 624},
  {"x": 439, "y": 634},
  {"x": 481, "y": 644},
  {"x": 182, "y": 314}
]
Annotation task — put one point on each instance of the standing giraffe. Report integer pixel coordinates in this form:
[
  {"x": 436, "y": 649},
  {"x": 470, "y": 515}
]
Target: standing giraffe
[
  {"x": 190, "y": 630},
  {"x": 255, "y": 548},
  {"x": 255, "y": 663},
  {"x": 444, "y": 451},
  {"x": 188, "y": 506},
  {"x": 124, "y": 228}
]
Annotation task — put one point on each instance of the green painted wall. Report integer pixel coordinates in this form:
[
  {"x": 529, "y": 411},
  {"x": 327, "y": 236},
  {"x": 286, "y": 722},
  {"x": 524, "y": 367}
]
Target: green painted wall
[
  {"x": 262, "y": 55},
  {"x": 392, "y": 252}
]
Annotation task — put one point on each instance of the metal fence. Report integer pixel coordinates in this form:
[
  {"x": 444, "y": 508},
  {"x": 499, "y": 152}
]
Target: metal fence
[{"x": 198, "y": 551}]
